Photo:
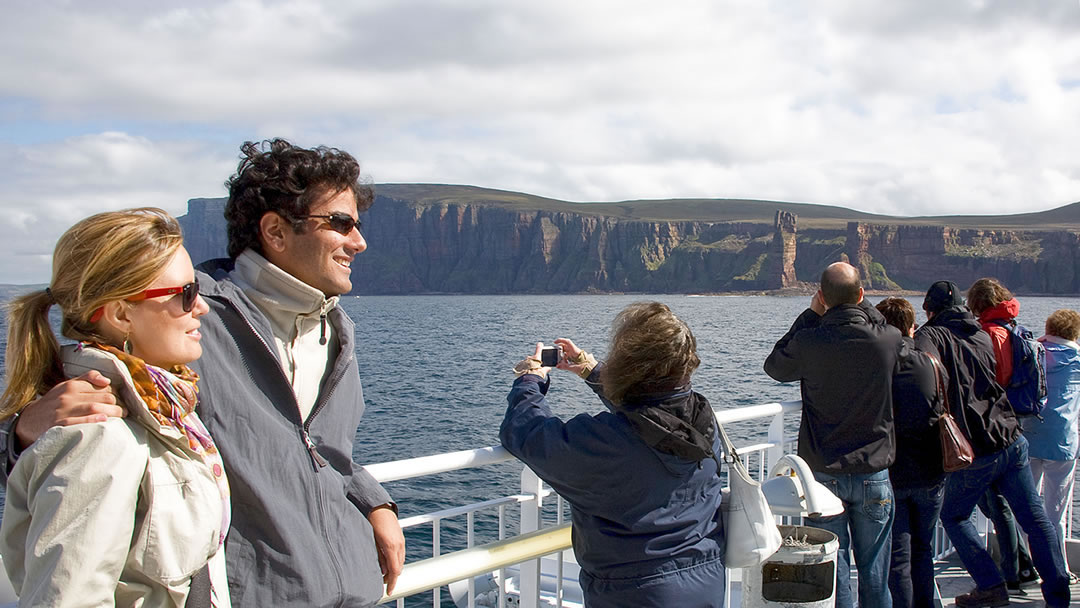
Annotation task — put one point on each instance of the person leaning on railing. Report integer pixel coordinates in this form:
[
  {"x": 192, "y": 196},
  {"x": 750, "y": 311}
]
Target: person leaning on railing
[
  {"x": 917, "y": 475},
  {"x": 643, "y": 489},
  {"x": 985, "y": 416}
]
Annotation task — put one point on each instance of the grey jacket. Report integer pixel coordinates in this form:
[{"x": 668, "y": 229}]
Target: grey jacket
[
  {"x": 299, "y": 536},
  {"x": 299, "y": 533}
]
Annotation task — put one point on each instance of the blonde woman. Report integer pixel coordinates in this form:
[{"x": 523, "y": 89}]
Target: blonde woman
[{"x": 130, "y": 511}]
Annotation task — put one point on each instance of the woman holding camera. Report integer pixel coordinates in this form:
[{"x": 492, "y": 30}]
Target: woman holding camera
[
  {"x": 128, "y": 511},
  {"x": 640, "y": 479}
]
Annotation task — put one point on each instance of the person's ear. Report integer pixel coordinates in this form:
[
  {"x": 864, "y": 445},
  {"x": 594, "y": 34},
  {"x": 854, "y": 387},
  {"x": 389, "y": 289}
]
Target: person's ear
[
  {"x": 860, "y": 295},
  {"x": 115, "y": 319},
  {"x": 272, "y": 231}
]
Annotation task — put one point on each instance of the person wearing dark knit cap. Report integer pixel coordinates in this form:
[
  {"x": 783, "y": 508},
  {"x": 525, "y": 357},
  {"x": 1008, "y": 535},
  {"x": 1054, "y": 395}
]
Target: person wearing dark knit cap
[{"x": 984, "y": 415}]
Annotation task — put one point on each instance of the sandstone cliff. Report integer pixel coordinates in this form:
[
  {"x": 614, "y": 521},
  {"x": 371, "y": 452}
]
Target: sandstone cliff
[{"x": 456, "y": 246}]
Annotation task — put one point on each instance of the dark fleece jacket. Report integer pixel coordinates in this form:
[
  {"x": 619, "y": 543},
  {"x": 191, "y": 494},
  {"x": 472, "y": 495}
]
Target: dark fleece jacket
[
  {"x": 845, "y": 361},
  {"x": 916, "y": 403},
  {"x": 978, "y": 402}
]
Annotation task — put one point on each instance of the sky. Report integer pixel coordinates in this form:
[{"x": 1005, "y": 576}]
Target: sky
[{"x": 920, "y": 107}]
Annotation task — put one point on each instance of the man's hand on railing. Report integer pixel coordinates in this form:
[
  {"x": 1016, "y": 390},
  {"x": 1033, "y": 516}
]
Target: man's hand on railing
[{"x": 390, "y": 543}]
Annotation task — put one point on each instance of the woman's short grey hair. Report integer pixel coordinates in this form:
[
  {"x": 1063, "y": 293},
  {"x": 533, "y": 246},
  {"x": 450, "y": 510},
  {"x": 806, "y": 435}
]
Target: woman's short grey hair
[{"x": 652, "y": 350}]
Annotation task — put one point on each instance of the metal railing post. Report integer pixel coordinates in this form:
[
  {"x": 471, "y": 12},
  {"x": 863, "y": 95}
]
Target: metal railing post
[
  {"x": 530, "y": 522},
  {"x": 776, "y": 438}
]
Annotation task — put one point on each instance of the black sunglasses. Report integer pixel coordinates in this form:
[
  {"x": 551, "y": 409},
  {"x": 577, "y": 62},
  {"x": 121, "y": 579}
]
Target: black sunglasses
[{"x": 342, "y": 223}]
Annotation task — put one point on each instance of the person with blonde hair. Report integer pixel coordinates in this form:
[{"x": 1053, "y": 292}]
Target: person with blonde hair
[
  {"x": 279, "y": 369},
  {"x": 125, "y": 511},
  {"x": 653, "y": 537},
  {"x": 1053, "y": 441}
]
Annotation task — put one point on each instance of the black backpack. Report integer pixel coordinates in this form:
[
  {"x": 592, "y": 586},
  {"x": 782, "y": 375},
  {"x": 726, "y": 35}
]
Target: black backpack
[{"x": 1027, "y": 387}]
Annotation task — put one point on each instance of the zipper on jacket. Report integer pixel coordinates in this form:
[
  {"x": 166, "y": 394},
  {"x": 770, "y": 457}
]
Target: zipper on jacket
[
  {"x": 331, "y": 387},
  {"x": 322, "y": 329},
  {"x": 316, "y": 459}
]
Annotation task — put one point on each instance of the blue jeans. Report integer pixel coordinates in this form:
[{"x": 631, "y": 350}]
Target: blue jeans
[
  {"x": 1009, "y": 472},
  {"x": 868, "y": 513},
  {"x": 911, "y": 576},
  {"x": 993, "y": 506}
]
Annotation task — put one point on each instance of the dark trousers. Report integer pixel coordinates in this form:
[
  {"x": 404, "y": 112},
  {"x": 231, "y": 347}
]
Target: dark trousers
[
  {"x": 1013, "y": 554},
  {"x": 1008, "y": 470},
  {"x": 911, "y": 575}
]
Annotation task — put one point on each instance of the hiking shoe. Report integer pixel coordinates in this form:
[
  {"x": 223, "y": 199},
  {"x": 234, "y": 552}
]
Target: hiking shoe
[{"x": 993, "y": 597}]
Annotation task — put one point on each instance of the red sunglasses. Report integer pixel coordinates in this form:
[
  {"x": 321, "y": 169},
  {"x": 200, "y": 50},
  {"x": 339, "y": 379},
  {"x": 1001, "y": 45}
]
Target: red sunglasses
[{"x": 189, "y": 291}]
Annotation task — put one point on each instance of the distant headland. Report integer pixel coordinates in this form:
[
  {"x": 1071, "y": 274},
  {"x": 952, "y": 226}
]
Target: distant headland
[{"x": 434, "y": 238}]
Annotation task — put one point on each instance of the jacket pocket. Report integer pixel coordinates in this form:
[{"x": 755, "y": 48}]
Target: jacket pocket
[{"x": 182, "y": 518}]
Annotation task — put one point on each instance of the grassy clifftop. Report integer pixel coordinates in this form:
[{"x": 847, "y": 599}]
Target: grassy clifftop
[{"x": 723, "y": 209}]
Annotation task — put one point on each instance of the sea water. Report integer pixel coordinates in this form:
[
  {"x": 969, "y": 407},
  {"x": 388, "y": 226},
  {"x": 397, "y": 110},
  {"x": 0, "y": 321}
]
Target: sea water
[{"x": 436, "y": 370}]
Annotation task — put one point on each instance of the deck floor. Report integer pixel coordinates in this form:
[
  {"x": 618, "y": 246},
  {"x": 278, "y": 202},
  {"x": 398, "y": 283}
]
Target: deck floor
[{"x": 953, "y": 580}]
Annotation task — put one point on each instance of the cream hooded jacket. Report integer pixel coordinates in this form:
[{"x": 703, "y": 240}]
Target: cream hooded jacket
[{"x": 119, "y": 513}]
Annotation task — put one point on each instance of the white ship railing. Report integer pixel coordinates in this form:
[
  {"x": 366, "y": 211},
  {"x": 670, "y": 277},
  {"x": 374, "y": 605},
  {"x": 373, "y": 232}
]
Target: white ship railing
[
  {"x": 432, "y": 573},
  {"x": 535, "y": 538}
]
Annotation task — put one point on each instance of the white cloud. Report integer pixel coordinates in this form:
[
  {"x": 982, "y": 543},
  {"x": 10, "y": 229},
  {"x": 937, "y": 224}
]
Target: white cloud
[
  {"x": 46, "y": 188},
  {"x": 920, "y": 107}
]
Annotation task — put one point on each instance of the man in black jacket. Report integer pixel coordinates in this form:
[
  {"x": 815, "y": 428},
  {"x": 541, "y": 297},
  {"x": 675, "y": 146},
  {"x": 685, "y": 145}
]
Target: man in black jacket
[
  {"x": 1001, "y": 454},
  {"x": 844, "y": 356}
]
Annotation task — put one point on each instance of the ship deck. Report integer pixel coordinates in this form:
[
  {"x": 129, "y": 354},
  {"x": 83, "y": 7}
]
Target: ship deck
[{"x": 953, "y": 580}]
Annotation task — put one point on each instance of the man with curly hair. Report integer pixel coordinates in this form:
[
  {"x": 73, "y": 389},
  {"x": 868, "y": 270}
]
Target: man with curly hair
[{"x": 280, "y": 388}]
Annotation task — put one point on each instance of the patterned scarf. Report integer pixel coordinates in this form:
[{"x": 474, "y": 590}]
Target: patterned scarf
[{"x": 170, "y": 394}]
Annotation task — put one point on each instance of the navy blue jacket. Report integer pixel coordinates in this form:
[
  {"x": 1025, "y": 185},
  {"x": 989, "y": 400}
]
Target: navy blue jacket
[
  {"x": 845, "y": 361},
  {"x": 646, "y": 524},
  {"x": 916, "y": 404}
]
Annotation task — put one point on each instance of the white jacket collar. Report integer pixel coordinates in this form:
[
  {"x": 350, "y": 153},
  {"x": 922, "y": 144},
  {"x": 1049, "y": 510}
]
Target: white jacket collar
[
  {"x": 1059, "y": 340},
  {"x": 279, "y": 295}
]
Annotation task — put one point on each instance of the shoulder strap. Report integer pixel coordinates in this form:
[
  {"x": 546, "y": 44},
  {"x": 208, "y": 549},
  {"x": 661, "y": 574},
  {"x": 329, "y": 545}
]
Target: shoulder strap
[
  {"x": 939, "y": 376},
  {"x": 725, "y": 445}
]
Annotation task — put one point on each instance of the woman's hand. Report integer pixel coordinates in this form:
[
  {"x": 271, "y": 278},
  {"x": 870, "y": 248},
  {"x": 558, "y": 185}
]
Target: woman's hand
[
  {"x": 574, "y": 359},
  {"x": 531, "y": 364}
]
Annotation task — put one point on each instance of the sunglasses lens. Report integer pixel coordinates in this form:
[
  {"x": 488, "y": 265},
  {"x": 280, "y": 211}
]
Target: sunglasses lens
[
  {"x": 343, "y": 223},
  {"x": 191, "y": 291}
]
